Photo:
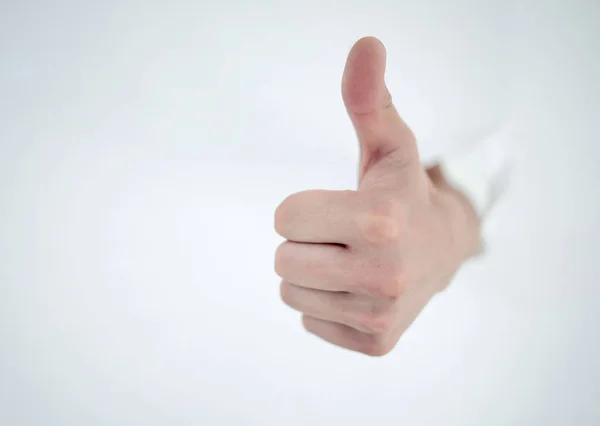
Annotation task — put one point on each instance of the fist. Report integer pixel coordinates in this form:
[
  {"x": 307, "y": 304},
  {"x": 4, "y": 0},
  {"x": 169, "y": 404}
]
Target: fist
[{"x": 360, "y": 265}]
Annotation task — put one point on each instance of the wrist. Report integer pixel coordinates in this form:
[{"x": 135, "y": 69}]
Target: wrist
[
  {"x": 462, "y": 219},
  {"x": 466, "y": 223}
]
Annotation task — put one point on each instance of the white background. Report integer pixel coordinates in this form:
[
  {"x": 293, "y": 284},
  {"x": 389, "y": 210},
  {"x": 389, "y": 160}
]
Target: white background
[{"x": 145, "y": 145}]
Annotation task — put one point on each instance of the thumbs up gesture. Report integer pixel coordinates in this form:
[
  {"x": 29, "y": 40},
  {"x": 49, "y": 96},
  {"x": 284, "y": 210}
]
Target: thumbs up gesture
[{"x": 360, "y": 265}]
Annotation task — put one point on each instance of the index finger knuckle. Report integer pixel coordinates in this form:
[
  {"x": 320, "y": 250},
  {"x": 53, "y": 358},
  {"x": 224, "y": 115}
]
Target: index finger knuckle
[{"x": 381, "y": 222}]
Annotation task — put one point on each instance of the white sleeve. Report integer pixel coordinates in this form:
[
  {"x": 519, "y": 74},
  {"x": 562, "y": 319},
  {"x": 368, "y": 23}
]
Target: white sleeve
[{"x": 482, "y": 172}]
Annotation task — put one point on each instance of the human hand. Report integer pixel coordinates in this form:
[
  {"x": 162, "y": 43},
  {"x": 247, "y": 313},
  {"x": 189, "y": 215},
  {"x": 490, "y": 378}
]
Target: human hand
[{"x": 361, "y": 265}]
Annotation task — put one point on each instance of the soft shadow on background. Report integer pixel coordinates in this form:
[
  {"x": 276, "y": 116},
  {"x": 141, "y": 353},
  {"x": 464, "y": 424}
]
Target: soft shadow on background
[{"x": 145, "y": 145}]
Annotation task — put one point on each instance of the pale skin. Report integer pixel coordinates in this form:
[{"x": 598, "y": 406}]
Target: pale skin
[{"x": 361, "y": 265}]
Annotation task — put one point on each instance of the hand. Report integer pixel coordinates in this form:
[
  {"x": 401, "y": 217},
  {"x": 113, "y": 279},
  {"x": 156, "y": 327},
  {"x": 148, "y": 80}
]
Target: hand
[{"x": 361, "y": 265}]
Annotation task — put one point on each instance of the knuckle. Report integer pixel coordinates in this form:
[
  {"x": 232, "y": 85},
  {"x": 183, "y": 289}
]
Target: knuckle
[
  {"x": 391, "y": 282},
  {"x": 377, "y": 347},
  {"x": 396, "y": 281},
  {"x": 380, "y": 230},
  {"x": 380, "y": 224},
  {"x": 377, "y": 321}
]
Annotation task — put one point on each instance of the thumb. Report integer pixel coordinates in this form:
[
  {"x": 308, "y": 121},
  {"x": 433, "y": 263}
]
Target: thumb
[{"x": 382, "y": 134}]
